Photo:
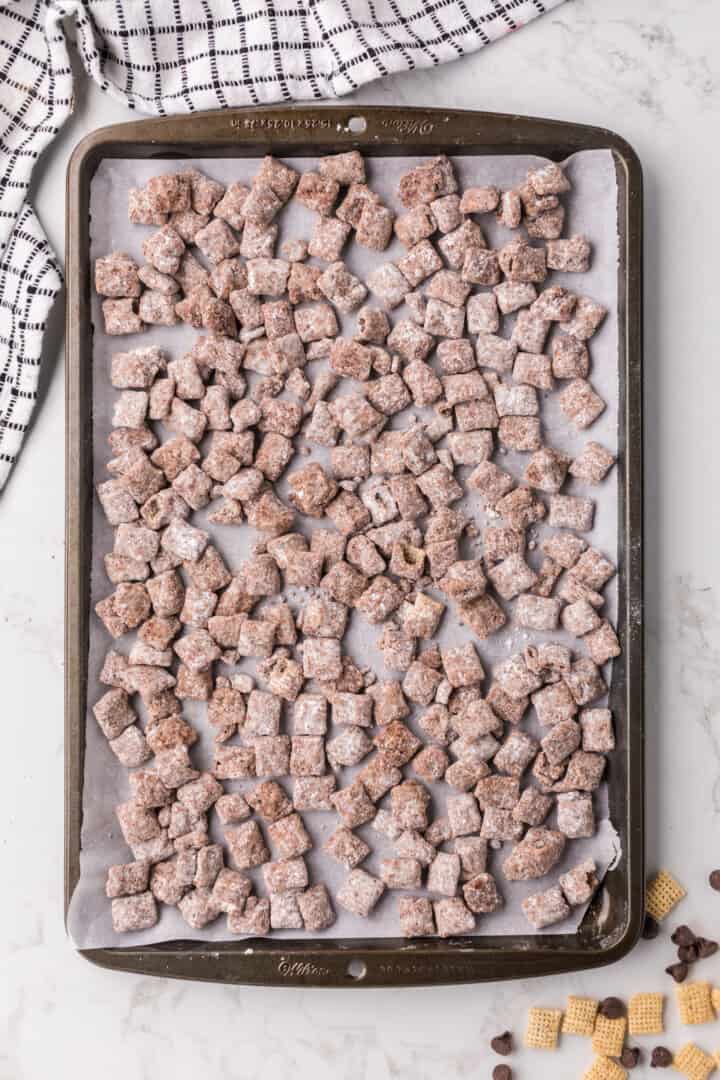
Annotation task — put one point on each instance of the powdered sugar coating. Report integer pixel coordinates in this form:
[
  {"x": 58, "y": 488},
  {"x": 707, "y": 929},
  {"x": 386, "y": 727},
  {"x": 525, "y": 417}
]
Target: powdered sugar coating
[{"x": 402, "y": 563}]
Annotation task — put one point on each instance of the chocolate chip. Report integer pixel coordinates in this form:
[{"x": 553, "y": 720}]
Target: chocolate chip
[
  {"x": 502, "y": 1044},
  {"x": 705, "y": 948},
  {"x": 678, "y": 971},
  {"x": 687, "y": 954},
  {"x": 630, "y": 1057},
  {"x": 651, "y": 928},
  {"x": 683, "y": 935},
  {"x": 502, "y": 1072},
  {"x": 660, "y": 1058},
  {"x": 612, "y": 1008},
  {"x": 714, "y": 880}
]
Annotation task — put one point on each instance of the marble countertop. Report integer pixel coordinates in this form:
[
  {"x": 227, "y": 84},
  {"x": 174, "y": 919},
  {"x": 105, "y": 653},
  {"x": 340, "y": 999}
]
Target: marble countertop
[{"x": 651, "y": 71}]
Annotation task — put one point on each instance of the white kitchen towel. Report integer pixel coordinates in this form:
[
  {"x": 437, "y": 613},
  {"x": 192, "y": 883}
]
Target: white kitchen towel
[{"x": 175, "y": 56}]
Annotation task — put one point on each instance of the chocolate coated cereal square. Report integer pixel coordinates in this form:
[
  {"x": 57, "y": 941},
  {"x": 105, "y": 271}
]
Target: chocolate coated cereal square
[
  {"x": 328, "y": 238},
  {"x": 317, "y": 192},
  {"x": 597, "y": 730},
  {"x": 164, "y": 250},
  {"x": 554, "y": 703},
  {"x": 247, "y": 846},
  {"x": 360, "y": 893},
  {"x": 463, "y": 814},
  {"x": 289, "y": 837},
  {"x": 580, "y": 404},
  {"x": 453, "y": 917},
  {"x": 353, "y": 805},
  {"x": 313, "y": 792},
  {"x": 348, "y": 748},
  {"x": 444, "y": 874},
  {"x": 316, "y": 908},
  {"x": 586, "y": 319},
  {"x": 261, "y": 205},
  {"x": 482, "y": 314},
  {"x": 575, "y": 816},
  {"x": 121, "y": 317},
  {"x": 253, "y": 920},
  {"x": 346, "y": 848},
  {"x": 231, "y": 206},
  {"x": 116, "y": 276},
  {"x": 569, "y": 255},
  {"x": 272, "y": 755},
  {"x": 389, "y": 284},
  {"x": 134, "y": 913},
  {"x": 416, "y": 225},
  {"x": 571, "y": 512},
  {"x": 481, "y": 893},
  {"x": 307, "y": 755},
  {"x": 545, "y": 908},
  {"x": 341, "y": 288},
  {"x": 592, "y": 464},
  {"x": 428, "y": 181},
  {"x": 375, "y": 226}
]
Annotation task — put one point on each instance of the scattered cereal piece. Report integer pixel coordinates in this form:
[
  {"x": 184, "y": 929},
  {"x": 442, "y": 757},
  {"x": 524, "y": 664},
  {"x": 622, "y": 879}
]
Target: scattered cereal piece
[
  {"x": 693, "y": 1062},
  {"x": 580, "y": 1015},
  {"x": 645, "y": 1014},
  {"x": 695, "y": 1003},
  {"x": 609, "y": 1035},
  {"x": 604, "y": 1068},
  {"x": 543, "y": 1028},
  {"x": 663, "y": 893}
]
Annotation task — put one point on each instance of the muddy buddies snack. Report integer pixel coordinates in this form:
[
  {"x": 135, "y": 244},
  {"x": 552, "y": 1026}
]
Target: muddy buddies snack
[{"x": 316, "y": 470}]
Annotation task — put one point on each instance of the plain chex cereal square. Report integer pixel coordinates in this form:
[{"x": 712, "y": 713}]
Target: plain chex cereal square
[
  {"x": 609, "y": 1036},
  {"x": 663, "y": 893},
  {"x": 695, "y": 1003},
  {"x": 693, "y": 1062},
  {"x": 715, "y": 999},
  {"x": 543, "y": 1028},
  {"x": 603, "y": 1068},
  {"x": 645, "y": 1014},
  {"x": 579, "y": 1018}
]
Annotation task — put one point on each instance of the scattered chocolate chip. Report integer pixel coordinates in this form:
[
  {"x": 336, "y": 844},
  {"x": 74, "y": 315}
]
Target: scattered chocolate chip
[
  {"x": 714, "y": 880},
  {"x": 705, "y": 948},
  {"x": 687, "y": 954},
  {"x": 612, "y": 1008},
  {"x": 502, "y": 1072},
  {"x": 630, "y": 1057},
  {"x": 678, "y": 971},
  {"x": 502, "y": 1044},
  {"x": 683, "y": 935},
  {"x": 660, "y": 1058},
  {"x": 651, "y": 928}
]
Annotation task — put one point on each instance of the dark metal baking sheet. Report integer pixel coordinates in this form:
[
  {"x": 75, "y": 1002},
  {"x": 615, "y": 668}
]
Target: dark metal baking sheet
[{"x": 612, "y": 924}]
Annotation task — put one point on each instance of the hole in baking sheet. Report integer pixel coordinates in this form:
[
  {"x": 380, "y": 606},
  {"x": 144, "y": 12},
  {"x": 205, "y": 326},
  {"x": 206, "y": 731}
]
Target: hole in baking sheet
[
  {"x": 357, "y": 124},
  {"x": 357, "y": 969}
]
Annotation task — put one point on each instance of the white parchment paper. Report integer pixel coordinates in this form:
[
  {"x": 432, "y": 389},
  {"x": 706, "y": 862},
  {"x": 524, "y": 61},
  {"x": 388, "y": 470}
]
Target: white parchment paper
[{"x": 591, "y": 209}]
